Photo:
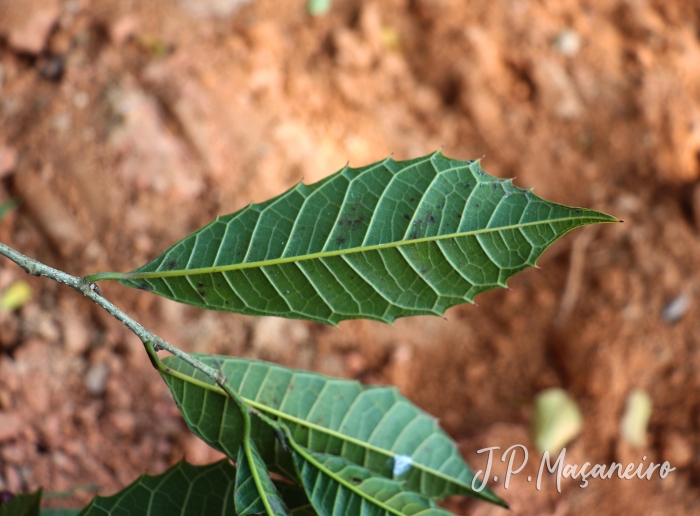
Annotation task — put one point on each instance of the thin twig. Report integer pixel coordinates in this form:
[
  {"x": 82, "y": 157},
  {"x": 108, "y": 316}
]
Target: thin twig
[{"x": 152, "y": 342}]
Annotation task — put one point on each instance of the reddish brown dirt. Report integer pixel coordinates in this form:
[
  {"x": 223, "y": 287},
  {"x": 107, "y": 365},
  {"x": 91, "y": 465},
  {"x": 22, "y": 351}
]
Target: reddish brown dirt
[{"x": 162, "y": 119}]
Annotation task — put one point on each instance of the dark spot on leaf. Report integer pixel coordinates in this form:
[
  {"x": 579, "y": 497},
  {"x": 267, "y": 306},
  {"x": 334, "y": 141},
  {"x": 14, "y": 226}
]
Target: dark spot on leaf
[
  {"x": 172, "y": 264},
  {"x": 423, "y": 271},
  {"x": 431, "y": 219},
  {"x": 406, "y": 216},
  {"x": 413, "y": 235},
  {"x": 467, "y": 185},
  {"x": 340, "y": 240},
  {"x": 440, "y": 206},
  {"x": 225, "y": 302},
  {"x": 478, "y": 205},
  {"x": 143, "y": 286},
  {"x": 202, "y": 294},
  {"x": 495, "y": 186},
  {"x": 353, "y": 223},
  {"x": 459, "y": 215},
  {"x": 238, "y": 253},
  {"x": 200, "y": 284},
  {"x": 356, "y": 480}
]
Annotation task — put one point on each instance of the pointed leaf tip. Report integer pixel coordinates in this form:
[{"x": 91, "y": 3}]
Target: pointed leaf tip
[{"x": 384, "y": 241}]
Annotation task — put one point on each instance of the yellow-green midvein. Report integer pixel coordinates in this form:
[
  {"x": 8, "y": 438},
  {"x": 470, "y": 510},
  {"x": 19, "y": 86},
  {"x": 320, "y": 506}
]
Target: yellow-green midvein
[
  {"x": 301, "y": 422},
  {"x": 309, "y": 458},
  {"x": 588, "y": 215}
]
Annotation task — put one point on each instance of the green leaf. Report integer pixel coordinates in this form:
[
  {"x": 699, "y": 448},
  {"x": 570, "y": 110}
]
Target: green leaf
[
  {"x": 22, "y": 505},
  {"x": 182, "y": 489},
  {"x": 60, "y": 512},
  {"x": 247, "y": 495},
  {"x": 185, "y": 489},
  {"x": 372, "y": 426},
  {"x": 389, "y": 240},
  {"x": 295, "y": 499},
  {"x": 337, "y": 487}
]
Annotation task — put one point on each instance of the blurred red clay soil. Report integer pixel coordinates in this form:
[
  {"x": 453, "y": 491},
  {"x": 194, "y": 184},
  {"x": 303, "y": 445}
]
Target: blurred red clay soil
[{"x": 125, "y": 125}]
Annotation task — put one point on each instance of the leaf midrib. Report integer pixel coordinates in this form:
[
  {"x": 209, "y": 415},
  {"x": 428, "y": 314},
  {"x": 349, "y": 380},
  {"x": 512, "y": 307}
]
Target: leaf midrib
[
  {"x": 355, "y": 489},
  {"x": 312, "y": 426},
  {"x": 339, "y": 252}
]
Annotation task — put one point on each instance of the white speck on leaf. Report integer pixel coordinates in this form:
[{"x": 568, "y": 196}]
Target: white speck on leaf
[{"x": 402, "y": 463}]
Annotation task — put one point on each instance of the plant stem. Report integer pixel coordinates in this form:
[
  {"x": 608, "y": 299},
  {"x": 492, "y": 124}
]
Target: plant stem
[
  {"x": 245, "y": 412},
  {"x": 152, "y": 342},
  {"x": 100, "y": 276}
]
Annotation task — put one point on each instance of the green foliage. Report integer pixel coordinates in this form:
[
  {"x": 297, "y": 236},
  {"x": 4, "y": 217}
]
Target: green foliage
[
  {"x": 380, "y": 242},
  {"x": 337, "y": 486},
  {"x": 372, "y": 426},
  {"x": 184, "y": 489},
  {"x": 389, "y": 240},
  {"x": 248, "y": 497}
]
